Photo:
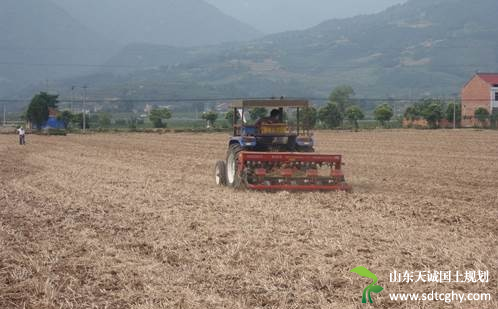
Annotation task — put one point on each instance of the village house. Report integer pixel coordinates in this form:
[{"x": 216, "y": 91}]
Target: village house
[{"x": 480, "y": 91}]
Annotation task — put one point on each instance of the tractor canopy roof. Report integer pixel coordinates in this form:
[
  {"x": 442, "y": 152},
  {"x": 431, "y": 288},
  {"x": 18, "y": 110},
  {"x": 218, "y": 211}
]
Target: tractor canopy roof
[{"x": 270, "y": 103}]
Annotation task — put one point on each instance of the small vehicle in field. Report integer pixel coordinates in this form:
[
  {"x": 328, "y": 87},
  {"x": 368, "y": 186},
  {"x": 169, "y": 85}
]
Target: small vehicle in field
[{"x": 278, "y": 154}]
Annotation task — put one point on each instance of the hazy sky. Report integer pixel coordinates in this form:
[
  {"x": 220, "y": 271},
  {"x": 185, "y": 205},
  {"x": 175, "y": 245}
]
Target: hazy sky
[{"x": 281, "y": 15}]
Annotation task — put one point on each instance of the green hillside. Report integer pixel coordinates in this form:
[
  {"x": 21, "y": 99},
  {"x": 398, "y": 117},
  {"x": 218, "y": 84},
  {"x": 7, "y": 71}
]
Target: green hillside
[
  {"x": 421, "y": 48},
  {"x": 416, "y": 49}
]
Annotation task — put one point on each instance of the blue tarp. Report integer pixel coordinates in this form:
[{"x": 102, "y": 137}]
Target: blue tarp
[{"x": 53, "y": 123}]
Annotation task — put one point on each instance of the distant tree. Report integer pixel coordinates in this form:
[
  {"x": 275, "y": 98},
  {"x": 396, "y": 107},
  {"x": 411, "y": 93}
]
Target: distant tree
[
  {"x": 353, "y": 114},
  {"x": 433, "y": 113},
  {"x": 330, "y": 115},
  {"x": 309, "y": 117},
  {"x": 158, "y": 115},
  {"x": 457, "y": 112},
  {"x": 341, "y": 95},
  {"x": 66, "y": 118},
  {"x": 482, "y": 115},
  {"x": 258, "y": 112},
  {"x": 383, "y": 113},
  {"x": 494, "y": 120},
  {"x": 77, "y": 120},
  {"x": 229, "y": 115},
  {"x": 210, "y": 118},
  {"x": 411, "y": 113},
  {"x": 104, "y": 120},
  {"x": 429, "y": 109},
  {"x": 37, "y": 111}
]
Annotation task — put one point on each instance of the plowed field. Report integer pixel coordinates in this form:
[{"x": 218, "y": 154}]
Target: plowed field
[{"x": 135, "y": 221}]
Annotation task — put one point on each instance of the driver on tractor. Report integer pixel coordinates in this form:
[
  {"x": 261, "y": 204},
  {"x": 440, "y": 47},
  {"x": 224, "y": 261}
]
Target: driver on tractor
[{"x": 273, "y": 118}]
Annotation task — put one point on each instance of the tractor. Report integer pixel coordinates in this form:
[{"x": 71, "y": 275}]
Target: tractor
[{"x": 277, "y": 152}]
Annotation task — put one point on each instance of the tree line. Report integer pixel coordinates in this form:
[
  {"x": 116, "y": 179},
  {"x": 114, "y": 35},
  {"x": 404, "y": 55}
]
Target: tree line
[
  {"x": 434, "y": 111},
  {"x": 37, "y": 114},
  {"x": 341, "y": 107}
]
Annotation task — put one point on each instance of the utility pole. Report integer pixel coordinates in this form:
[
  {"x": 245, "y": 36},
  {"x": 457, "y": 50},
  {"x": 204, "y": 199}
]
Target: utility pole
[
  {"x": 72, "y": 98},
  {"x": 454, "y": 114},
  {"x": 4, "y": 113},
  {"x": 84, "y": 108}
]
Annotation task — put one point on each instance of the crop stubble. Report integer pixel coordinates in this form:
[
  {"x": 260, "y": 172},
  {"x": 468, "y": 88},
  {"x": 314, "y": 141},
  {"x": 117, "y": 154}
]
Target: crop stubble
[{"x": 135, "y": 221}]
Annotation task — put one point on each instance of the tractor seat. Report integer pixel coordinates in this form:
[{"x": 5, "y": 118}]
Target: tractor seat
[{"x": 274, "y": 128}]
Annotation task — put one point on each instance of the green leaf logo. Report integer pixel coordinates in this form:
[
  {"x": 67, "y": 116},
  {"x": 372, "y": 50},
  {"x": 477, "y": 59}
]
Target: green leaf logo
[{"x": 362, "y": 271}]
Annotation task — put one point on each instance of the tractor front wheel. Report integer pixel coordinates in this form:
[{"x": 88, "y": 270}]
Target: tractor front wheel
[{"x": 233, "y": 178}]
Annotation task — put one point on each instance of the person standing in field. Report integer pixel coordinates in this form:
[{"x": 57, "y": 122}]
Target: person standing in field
[{"x": 22, "y": 136}]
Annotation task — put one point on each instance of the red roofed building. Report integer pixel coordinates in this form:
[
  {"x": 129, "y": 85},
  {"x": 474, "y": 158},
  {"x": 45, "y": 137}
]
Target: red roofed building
[{"x": 480, "y": 91}]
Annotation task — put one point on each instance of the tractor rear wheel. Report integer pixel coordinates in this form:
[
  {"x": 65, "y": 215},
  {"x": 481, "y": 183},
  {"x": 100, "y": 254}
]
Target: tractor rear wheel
[
  {"x": 233, "y": 178},
  {"x": 220, "y": 173}
]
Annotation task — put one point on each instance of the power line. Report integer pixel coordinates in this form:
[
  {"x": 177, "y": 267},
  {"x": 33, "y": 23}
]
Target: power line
[
  {"x": 186, "y": 100},
  {"x": 338, "y": 66},
  {"x": 168, "y": 48},
  {"x": 25, "y": 64}
]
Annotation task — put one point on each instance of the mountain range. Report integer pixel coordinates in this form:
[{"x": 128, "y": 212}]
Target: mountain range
[
  {"x": 45, "y": 40},
  {"x": 420, "y": 48},
  {"x": 168, "y": 22},
  {"x": 273, "y": 16},
  {"x": 416, "y": 49}
]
